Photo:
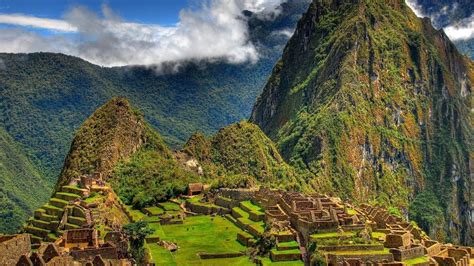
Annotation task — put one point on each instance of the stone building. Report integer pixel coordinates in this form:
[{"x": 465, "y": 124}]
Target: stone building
[{"x": 12, "y": 247}]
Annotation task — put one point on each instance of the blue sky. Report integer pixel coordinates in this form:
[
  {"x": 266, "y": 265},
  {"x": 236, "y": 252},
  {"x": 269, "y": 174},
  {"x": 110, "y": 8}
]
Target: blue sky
[
  {"x": 138, "y": 32},
  {"x": 163, "y": 12}
]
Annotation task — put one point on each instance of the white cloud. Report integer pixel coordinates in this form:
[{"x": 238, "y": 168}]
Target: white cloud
[
  {"x": 287, "y": 32},
  {"x": 214, "y": 31},
  {"x": 413, "y": 4},
  {"x": 461, "y": 31},
  {"x": 28, "y": 21}
]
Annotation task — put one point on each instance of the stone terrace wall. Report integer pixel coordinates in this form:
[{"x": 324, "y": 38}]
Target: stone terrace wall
[
  {"x": 338, "y": 259},
  {"x": 237, "y": 194},
  {"x": 11, "y": 248},
  {"x": 409, "y": 253},
  {"x": 104, "y": 252}
]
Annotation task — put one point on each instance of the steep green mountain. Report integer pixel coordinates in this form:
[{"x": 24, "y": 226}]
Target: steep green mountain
[
  {"x": 241, "y": 155},
  {"x": 45, "y": 97},
  {"x": 376, "y": 103},
  {"x": 113, "y": 132},
  {"x": 21, "y": 186}
]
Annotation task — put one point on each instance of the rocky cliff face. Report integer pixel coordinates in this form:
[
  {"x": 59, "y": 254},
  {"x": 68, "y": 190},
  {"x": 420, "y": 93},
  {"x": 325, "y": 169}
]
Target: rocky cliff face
[
  {"x": 112, "y": 132},
  {"x": 376, "y": 103}
]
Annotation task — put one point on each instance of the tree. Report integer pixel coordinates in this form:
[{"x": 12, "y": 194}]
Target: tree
[{"x": 136, "y": 233}]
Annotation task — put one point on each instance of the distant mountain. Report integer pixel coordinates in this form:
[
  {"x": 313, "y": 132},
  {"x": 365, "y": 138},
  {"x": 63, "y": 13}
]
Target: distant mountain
[
  {"x": 45, "y": 98},
  {"x": 21, "y": 185},
  {"x": 376, "y": 103}
]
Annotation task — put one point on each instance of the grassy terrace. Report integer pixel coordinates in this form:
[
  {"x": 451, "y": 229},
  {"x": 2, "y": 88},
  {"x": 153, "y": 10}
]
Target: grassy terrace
[
  {"x": 326, "y": 235},
  {"x": 361, "y": 252},
  {"x": 154, "y": 210},
  {"x": 377, "y": 235},
  {"x": 254, "y": 208},
  {"x": 197, "y": 234},
  {"x": 268, "y": 261},
  {"x": 259, "y": 226},
  {"x": 169, "y": 206},
  {"x": 416, "y": 260},
  {"x": 289, "y": 251},
  {"x": 292, "y": 244}
]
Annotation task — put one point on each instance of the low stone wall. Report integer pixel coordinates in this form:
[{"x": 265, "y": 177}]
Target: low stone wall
[
  {"x": 351, "y": 247},
  {"x": 204, "y": 209},
  {"x": 433, "y": 248},
  {"x": 206, "y": 256},
  {"x": 338, "y": 259},
  {"x": 284, "y": 237},
  {"x": 237, "y": 194},
  {"x": 150, "y": 240},
  {"x": 246, "y": 240},
  {"x": 256, "y": 217},
  {"x": 284, "y": 257},
  {"x": 226, "y": 203},
  {"x": 409, "y": 253},
  {"x": 400, "y": 239}
]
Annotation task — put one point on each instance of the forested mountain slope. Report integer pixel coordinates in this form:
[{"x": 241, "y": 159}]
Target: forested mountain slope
[{"x": 376, "y": 103}]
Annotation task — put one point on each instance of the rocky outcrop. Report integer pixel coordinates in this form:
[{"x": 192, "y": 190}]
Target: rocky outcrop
[{"x": 376, "y": 103}]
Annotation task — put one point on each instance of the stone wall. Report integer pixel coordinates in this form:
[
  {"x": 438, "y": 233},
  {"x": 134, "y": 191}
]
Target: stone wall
[
  {"x": 12, "y": 247},
  {"x": 338, "y": 259},
  {"x": 398, "y": 239},
  {"x": 226, "y": 202},
  {"x": 351, "y": 247},
  {"x": 104, "y": 252},
  {"x": 206, "y": 209},
  {"x": 409, "y": 253},
  {"x": 237, "y": 194},
  {"x": 284, "y": 257},
  {"x": 432, "y": 248}
]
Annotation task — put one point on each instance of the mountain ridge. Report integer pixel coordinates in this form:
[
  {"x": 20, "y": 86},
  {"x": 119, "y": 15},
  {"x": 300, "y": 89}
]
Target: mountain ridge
[{"x": 361, "y": 98}]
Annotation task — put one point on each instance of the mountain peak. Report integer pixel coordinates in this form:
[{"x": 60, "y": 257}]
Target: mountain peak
[
  {"x": 369, "y": 98},
  {"x": 112, "y": 132}
]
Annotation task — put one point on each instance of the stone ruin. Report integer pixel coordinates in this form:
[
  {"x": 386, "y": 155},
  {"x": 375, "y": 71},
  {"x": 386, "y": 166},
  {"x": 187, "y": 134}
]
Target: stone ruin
[
  {"x": 307, "y": 214},
  {"x": 76, "y": 247}
]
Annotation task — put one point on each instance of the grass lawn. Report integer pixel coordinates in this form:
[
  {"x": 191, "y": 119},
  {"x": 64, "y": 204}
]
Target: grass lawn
[
  {"x": 155, "y": 210},
  {"x": 268, "y": 261},
  {"x": 351, "y": 212},
  {"x": 289, "y": 251},
  {"x": 199, "y": 234},
  {"x": 169, "y": 206},
  {"x": 137, "y": 215},
  {"x": 361, "y": 252},
  {"x": 93, "y": 198},
  {"x": 377, "y": 235},
  {"x": 249, "y": 205},
  {"x": 416, "y": 260},
  {"x": 332, "y": 235},
  {"x": 259, "y": 226},
  {"x": 160, "y": 255},
  {"x": 288, "y": 244}
]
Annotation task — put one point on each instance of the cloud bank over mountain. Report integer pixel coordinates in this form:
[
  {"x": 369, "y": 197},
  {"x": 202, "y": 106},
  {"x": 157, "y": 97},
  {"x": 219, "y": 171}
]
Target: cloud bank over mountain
[{"x": 216, "y": 30}]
